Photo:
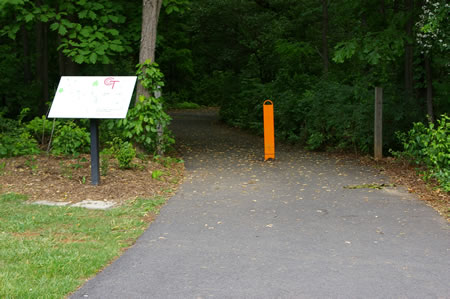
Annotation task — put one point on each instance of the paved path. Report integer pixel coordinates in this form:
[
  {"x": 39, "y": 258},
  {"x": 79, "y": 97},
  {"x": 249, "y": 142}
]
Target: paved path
[{"x": 241, "y": 228}]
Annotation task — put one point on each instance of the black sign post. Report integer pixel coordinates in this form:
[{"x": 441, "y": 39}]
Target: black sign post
[{"x": 95, "y": 161}]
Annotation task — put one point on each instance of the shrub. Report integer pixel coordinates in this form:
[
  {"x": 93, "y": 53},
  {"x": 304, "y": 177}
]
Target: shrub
[
  {"x": 105, "y": 155},
  {"x": 328, "y": 115},
  {"x": 17, "y": 143},
  {"x": 40, "y": 128},
  {"x": 125, "y": 155},
  {"x": 146, "y": 123},
  {"x": 429, "y": 146},
  {"x": 15, "y": 140},
  {"x": 70, "y": 140}
]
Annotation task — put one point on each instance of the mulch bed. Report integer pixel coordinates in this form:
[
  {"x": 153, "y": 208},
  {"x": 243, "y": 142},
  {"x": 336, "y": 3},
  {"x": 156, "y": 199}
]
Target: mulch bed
[{"x": 66, "y": 179}]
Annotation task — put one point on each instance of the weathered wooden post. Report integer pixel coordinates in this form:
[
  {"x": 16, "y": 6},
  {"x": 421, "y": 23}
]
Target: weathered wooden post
[{"x": 378, "y": 124}]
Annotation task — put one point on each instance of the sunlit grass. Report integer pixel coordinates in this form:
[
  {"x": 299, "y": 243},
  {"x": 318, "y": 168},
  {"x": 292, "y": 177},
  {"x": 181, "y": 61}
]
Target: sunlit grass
[{"x": 47, "y": 252}]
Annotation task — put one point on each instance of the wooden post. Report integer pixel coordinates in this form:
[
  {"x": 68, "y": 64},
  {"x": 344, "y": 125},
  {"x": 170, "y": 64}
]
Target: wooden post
[{"x": 378, "y": 124}]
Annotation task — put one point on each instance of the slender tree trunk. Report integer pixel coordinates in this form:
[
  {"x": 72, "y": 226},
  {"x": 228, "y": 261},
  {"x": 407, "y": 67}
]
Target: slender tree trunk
[
  {"x": 409, "y": 8},
  {"x": 383, "y": 8},
  {"x": 150, "y": 16},
  {"x": 39, "y": 45},
  {"x": 429, "y": 83},
  {"x": 325, "y": 57},
  {"x": 45, "y": 93},
  {"x": 42, "y": 63},
  {"x": 61, "y": 60},
  {"x": 26, "y": 55},
  {"x": 70, "y": 68}
]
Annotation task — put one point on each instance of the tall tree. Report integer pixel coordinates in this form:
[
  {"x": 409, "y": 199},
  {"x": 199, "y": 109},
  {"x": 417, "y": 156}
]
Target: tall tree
[
  {"x": 325, "y": 57},
  {"x": 150, "y": 16},
  {"x": 409, "y": 48},
  {"x": 42, "y": 59}
]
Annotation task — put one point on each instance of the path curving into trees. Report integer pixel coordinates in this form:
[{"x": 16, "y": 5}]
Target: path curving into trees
[{"x": 242, "y": 228}]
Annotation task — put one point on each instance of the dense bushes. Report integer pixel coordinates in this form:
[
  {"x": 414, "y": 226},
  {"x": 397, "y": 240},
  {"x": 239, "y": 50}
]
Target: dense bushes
[
  {"x": 70, "y": 139},
  {"x": 429, "y": 146},
  {"x": 146, "y": 126},
  {"x": 15, "y": 140},
  {"x": 328, "y": 115}
]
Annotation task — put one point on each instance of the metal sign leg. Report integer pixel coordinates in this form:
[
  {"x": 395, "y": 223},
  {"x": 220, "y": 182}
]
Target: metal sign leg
[{"x": 95, "y": 169}]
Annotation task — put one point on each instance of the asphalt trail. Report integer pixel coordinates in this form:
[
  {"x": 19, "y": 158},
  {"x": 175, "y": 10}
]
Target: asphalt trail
[{"x": 242, "y": 228}]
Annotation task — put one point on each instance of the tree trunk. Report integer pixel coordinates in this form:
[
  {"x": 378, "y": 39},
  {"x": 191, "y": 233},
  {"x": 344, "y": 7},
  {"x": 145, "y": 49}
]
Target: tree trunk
[
  {"x": 45, "y": 93},
  {"x": 409, "y": 8},
  {"x": 42, "y": 63},
  {"x": 383, "y": 9},
  {"x": 26, "y": 56},
  {"x": 429, "y": 83},
  {"x": 150, "y": 16},
  {"x": 61, "y": 60},
  {"x": 325, "y": 57}
]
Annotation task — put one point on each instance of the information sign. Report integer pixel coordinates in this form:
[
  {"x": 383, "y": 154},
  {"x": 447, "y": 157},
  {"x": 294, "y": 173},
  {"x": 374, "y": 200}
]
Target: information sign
[{"x": 92, "y": 97}]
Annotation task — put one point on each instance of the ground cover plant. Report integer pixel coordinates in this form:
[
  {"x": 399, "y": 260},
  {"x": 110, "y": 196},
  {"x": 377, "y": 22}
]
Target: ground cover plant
[
  {"x": 429, "y": 147},
  {"x": 47, "y": 252}
]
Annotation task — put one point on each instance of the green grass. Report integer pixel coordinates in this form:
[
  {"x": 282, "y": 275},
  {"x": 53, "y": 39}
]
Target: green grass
[{"x": 47, "y": 252}]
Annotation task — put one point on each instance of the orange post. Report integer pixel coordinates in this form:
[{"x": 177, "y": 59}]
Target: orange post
[{"x": 269, "y": 131}]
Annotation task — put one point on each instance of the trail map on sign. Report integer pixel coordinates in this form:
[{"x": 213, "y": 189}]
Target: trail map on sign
[{"x": 92, "y": 97}]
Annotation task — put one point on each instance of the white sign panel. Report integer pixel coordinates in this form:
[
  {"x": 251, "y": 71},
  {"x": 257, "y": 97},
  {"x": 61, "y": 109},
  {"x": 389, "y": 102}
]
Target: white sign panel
[{"x": 92, "y": 97}]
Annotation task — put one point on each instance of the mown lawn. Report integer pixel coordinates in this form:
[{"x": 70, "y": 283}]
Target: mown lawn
[{"x": 48, "y": 252}]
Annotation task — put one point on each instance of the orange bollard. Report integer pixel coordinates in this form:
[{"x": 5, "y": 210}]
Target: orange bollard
[{"x": 269, "y": 131}]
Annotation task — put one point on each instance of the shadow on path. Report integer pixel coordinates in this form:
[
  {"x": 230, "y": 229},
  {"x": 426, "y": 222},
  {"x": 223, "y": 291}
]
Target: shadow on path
[{"x": 243, "y": 228}]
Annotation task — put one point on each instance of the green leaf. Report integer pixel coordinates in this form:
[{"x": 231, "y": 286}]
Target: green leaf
[
  {"x": 93, "y": 58},
  {"x": 54, "y": 26},
  {"x": 99, "y": 35},
  {"x": 79, "y": 59},
  {"x": 86, "y": 31},
  {"x": 114, "y": 19},
  {"x": 113, "y": 32},
  {"x": 116, "y": 48},
  {"x": 92, "y": 15},
  {"x": 29, "y": 17},
  {"x": 67, "y": 23},
  {"x": 62, "y": 30},
  {"x": 44, "y": 18}
]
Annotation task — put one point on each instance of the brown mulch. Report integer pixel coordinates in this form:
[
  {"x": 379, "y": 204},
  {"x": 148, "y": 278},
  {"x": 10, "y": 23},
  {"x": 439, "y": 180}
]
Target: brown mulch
[{"x": 64, "y": 179}]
